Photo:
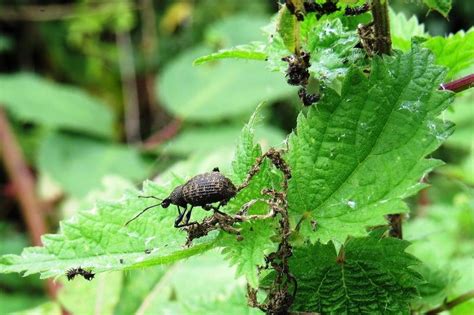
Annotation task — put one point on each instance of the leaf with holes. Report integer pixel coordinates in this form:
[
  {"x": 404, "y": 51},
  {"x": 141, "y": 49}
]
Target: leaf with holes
[{"x": 357, "y": 155}]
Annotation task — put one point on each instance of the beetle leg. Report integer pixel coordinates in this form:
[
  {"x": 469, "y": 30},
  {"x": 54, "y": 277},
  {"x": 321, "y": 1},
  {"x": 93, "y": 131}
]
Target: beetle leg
[
  {"x": 178, "y": 220},
  {"x": 188, "y": 215},
  {"x": 178, "y": 223}
]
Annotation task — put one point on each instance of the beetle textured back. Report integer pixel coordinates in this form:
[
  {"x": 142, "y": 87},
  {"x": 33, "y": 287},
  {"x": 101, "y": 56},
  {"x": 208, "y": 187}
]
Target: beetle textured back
[
  {"x": 200, "y": 191},
  {"x": 208, "y": 188}
]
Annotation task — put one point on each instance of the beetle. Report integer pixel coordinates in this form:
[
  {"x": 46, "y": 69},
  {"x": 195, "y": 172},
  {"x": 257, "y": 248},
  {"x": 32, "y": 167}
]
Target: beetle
[{"x": 200, "y": 191}]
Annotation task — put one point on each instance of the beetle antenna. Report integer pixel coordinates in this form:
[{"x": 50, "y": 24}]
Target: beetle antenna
[
  {"x": 142, "y": 212},
  {"x": 153, "y": 197}
]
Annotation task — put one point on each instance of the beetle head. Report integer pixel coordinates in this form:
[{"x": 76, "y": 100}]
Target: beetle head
[
  {"x": 166, "y": 203},
  {"x": 176, "y": 197}
]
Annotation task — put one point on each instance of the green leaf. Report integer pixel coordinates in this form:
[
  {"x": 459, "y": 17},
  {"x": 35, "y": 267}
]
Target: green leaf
[
  {"x": 97, "y": 239},
  {"x": 47, "y": 308},
  {"x": 286, "y": 28},
  {"x": 170, "y": 291},
  {"x": 332, "y": 50},
  {"x": 215, "y": 137},
  {"x": 257, "y": 242},
  {"x": 442, "y": 6},
  {"x": 234, "y": 304},
  {"x": 402, "y": 30},
  {"x": 140, "y": 284},
  {"x": 37, "y": 100},
  {"x": 355, "y": 156},
  {"x": 66, "y": 157},
  {"x": 92, "y": 297},
  {"x": 250, "y": 253},
  {"x": 18, "y": 302},
  {"x": 214, "y": 92},
  {"x": 331, "y": 46},
  {"x": 253, "y": 51},
  {"x": 238, "y": 29},
  {"x": 443, "y": 238},
  {"x": 374, "y": 277},
  {"x": 455, "y": 51}
]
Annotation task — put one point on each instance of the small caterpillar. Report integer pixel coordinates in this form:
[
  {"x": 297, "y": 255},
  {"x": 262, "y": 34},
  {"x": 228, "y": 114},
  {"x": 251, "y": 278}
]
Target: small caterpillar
[{"x": 73, "y": 272}]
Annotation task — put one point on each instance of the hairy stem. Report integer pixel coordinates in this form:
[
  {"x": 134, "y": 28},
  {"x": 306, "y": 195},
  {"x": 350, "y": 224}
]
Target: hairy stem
[
  {"x": 453, "y": 303},
  {"x": 383, "y": 43}
]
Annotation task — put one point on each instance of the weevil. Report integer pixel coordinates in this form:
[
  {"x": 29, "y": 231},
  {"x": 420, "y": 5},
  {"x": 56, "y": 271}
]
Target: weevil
[{"x": 200, "y": 191}]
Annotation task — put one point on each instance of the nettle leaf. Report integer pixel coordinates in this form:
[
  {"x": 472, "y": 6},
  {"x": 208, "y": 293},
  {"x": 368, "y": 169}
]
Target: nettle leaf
[
  {"x": 250, "y": 252},
  {"x": 100, "y": 296},
  {"x": 214, "y": 91},
  {"x": 233, "y": 304},
  {"x": 286, "y": 28},
  {"x": 442, "y": 6},
  {"x": 253, "y": 51},
  {"x": 330, "y": 44},
  {"x": 403, "y": 29},
  {"x": 332, "y": 50},
  {"x": 37, "y": 100},
  {"x": 355, "y": 156},
  {"x": 444, "y": 240},
  {"x": 374, "y": 276},
  {"x": 454, "y": 51},
  {"x": 64, "y": 158},
  {"x": 97, "y": 239},
  {"x": 218, "y": 136}
]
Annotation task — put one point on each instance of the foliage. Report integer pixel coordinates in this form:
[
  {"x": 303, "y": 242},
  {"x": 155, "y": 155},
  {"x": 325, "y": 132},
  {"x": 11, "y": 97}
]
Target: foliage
[
  {"x": 373, "y": 275},
  {"x": 342, "y": 147},
  {"x": 362, "y": 152},
  {"x": 64, "y": 157},
  {"x": 403, "y": 30},
  {"x": 454, "y": 51},
  {"x": 27, "y": 96}
]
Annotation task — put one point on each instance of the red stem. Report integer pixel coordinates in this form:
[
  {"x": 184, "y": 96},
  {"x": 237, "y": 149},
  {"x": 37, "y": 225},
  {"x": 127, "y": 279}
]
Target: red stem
[
  {"x": 168, "y": 132},
  {"x": 24, "y": 186},
  {"x": 459, "y": 85}
]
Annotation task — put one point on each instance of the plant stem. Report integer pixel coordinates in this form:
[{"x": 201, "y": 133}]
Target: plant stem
[
  {"x": 24, "y": 184},
  {"x": 453, "y": 303},
  {"x": 459, "y": 85},
  {"x": 383, "y": 43},
  {"x": 129, "y": 87},
  {"x": 22, "y": 180}
]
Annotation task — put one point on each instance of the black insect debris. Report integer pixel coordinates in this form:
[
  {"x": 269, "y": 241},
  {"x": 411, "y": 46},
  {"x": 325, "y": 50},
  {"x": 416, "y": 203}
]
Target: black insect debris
[
  {"x": 200, "y": 191},
  {"x": 73, "y": 272},
  {"x": 308, "y": 98},
  {"x": 297, "y": 72}
]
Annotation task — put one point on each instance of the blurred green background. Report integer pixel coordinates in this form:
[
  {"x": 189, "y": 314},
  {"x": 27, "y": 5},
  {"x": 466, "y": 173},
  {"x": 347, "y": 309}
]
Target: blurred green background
[{"x": 101, "y": 95}]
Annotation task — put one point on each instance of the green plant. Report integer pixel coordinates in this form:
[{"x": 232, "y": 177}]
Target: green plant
[{"x": 355, "y": 156}]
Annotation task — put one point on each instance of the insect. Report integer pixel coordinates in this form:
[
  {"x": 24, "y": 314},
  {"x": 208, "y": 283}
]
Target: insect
[
  {"x": 86, "y": 274},
  {"x": 200, "y": 191},
  {"x": 297, "y": 72},
  {"x": 307, "y": 98}
]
